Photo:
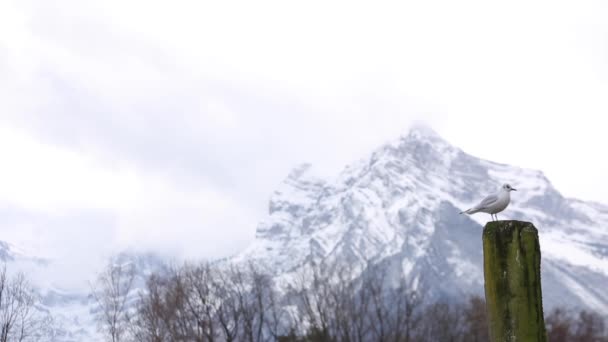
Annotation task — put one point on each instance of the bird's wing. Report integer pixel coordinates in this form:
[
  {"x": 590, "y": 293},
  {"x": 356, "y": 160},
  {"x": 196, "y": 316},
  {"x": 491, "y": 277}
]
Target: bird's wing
[{"x": 486, "y": 202}]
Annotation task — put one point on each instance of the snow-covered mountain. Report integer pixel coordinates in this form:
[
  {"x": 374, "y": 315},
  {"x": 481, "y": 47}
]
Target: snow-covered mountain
[{"x": 400, "y": 207}]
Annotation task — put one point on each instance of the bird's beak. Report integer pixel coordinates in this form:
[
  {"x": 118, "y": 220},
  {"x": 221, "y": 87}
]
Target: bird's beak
[{"x": 513, "y": 189}]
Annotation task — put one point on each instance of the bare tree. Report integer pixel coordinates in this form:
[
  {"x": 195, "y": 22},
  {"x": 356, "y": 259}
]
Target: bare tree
[
  {"x": 202, "y": 302},
  {"x": 327, "y": 303},
  {"x": 314, "y": 303},
  {"x": 380, "y": 311},
  {"x": 148, "y": 322},
  {"x": 279, "y": 323},
  {"x": 559, "y": 325},
  {"x": 253, "y": 289},
  {"x": 337, "y": 303},
  {"x": 351, "y": 299},
  {"x": 111, "y": 292},
  {"x": 173, "y": 311},
  {"x": 476, "y": 320},
  {"x": 444, "y": 321},
  {"x": 591, "y": 327},
  {"x": 19, "y": 318},
  {"x": 565, "y": 325}
]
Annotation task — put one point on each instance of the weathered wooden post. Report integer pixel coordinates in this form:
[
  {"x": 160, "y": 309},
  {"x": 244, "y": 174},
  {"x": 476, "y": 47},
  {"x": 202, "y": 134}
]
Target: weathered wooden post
[{"x": 511, "y": 264}]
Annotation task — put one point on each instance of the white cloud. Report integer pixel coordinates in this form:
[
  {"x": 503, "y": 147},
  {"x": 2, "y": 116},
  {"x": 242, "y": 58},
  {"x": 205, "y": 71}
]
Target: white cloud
[
  {"x": 43, "y": 177},
  {"x": 60, "y": 204}
]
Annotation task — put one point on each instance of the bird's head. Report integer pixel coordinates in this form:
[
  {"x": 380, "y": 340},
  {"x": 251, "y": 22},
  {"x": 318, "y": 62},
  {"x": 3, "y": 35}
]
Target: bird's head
[{"x": 507, "y": 187}]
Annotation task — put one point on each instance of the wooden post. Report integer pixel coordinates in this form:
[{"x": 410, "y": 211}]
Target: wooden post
[{"x": 511, "y": 264}]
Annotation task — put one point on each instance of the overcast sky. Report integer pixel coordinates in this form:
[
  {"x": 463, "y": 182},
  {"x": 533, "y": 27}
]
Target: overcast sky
[{"x": 168, "y": 124}]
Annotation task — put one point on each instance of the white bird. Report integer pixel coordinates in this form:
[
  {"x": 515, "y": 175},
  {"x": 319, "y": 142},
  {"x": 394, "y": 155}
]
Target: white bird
[{"x": 493, "y": 204}]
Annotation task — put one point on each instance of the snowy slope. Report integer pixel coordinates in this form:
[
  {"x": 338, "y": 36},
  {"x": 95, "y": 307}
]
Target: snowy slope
[
  {"x": 69, "y": 308},
  {"x": 400, "y": 207},
  {"x": 73, "y": 310}
]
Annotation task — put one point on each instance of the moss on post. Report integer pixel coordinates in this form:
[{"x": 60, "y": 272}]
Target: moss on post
[{"x": 511, "y": 255}]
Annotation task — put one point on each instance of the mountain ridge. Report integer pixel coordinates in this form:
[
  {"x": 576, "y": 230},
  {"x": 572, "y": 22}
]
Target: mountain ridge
[{"x": 402, "y": 203}]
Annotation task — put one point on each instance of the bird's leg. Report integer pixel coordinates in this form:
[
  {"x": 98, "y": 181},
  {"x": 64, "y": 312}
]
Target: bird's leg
[{"x": 496, "y": 216}]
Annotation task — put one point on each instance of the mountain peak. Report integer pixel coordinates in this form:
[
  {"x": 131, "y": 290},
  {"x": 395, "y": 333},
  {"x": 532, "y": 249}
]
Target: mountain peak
[
  {"x": 421, "y": 132},
  {"x": 421, "y": 129},
  {"x": 299, "y": 171},
  {"x": 421, "y": 143}
]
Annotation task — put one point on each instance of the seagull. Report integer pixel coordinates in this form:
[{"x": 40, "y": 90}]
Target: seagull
[{"x": 493, "y": 204}]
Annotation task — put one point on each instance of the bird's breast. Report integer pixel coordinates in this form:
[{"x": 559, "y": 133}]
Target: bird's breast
[{"x": 501, "y": 204}]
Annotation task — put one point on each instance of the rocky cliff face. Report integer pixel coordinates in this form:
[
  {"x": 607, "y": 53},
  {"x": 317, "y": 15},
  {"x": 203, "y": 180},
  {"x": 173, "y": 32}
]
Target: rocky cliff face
[{"x": 399, "y": 208}]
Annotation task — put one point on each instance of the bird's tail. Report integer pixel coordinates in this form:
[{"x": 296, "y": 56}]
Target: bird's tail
[{"x": 469, "y": 211}]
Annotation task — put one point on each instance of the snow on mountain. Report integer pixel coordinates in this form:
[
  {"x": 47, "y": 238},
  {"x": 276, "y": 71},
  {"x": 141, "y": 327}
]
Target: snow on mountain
[
  {"x": 73, "y": 310},
  {"x": 400, "y": 207},
  {"x": 69, "y": 308}
]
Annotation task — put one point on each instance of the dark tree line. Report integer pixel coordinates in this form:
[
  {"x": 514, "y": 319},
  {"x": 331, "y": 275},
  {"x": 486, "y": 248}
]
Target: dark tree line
[
  {"x": 321, "y": 303},
  {"x": 564, "y": 326}
]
